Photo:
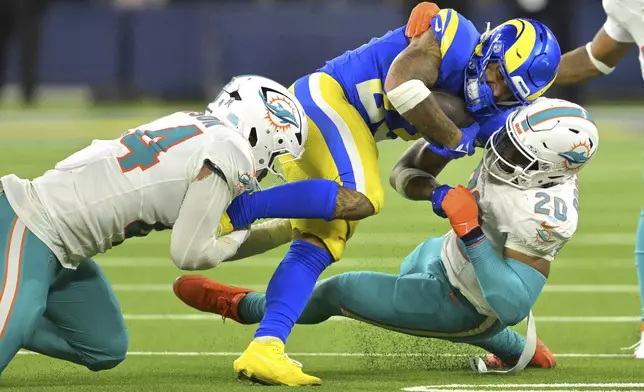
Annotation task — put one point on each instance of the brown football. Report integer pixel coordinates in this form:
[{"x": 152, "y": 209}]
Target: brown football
[{"x": 454, "y": 108}]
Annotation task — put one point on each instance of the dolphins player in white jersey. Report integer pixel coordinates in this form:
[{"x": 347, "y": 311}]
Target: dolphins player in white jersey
[
  {"x": 624, "y": 28},
  {"x": 180, "y": 172},
  {"x": 485, "y": 274}
]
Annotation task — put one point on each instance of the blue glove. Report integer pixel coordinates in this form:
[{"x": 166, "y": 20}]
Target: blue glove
[
  {"x": 466, "y": 146},
  {"x": 240, "y": 211},
  {"x": 438, "y": 194},
  {"x": 307, "y": 199}
]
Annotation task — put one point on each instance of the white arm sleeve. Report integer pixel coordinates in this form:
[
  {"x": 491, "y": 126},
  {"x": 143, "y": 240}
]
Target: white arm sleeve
[
  {"x": 617, "y": 31},
  {"x": 231, "y": 243},
  {"x": 194, "y": 244},
  {"x": 262, "y": 238}
]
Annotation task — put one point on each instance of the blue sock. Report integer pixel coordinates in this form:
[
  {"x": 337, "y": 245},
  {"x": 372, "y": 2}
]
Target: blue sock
[
  {"x": 639, "y": 257},
  {"x": 290, "y": 288}
]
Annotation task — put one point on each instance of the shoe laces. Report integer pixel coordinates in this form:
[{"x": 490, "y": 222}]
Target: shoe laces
[{"x": 226, "y": 308}]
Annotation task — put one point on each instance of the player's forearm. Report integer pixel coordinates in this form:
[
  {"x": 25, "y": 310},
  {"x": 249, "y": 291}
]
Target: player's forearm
[
  {"x": 414, "y": 175},
  {"x": 510, "y": 287},
  {"x": 576, "y": 67},
  {"x": 410, "y": 76},
  {"x": 352, "y": 205},
  {"x": 420, "y": 188},
  {"x": 264, "y": 237},
  {"x": 213, "y": 253},
  {"x": 431, "y": 122},
  {"x": 194, "y": 244},
  {"x": 596, "y": 58},
  {"x": 412, "y": 183}
]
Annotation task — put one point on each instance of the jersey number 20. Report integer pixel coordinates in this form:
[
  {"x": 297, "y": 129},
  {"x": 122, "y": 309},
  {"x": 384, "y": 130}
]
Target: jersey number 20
[
  {"x": 558, "y": 208},
  {"x": 145, "y": 146}
]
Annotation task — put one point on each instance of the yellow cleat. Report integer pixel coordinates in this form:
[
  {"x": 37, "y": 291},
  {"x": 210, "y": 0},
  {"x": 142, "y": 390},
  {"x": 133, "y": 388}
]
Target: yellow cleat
[{"x": 264, "y": 362}]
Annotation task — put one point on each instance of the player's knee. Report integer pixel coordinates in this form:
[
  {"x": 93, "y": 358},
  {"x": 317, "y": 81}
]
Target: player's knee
[
  {"x": 112, "y": 352},
  {"x": 333, "y": 244},
  {"x": 410, "y": 288}
]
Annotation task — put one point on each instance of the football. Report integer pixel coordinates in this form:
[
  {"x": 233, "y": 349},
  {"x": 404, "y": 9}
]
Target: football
[{"x": 454, "y": 107}]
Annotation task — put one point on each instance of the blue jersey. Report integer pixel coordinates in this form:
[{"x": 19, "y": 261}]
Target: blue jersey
[{"x": 362, "y": 73}]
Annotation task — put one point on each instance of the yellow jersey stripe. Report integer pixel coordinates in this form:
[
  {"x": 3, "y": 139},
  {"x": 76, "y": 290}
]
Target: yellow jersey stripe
[
  {"x": 517, "y": 54},
  {"x": 450, "y": 27}
]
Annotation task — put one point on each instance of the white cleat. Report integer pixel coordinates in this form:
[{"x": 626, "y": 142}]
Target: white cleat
[
  {"x": 638, "y": 347},
  {"x": 639, "y": 352}
]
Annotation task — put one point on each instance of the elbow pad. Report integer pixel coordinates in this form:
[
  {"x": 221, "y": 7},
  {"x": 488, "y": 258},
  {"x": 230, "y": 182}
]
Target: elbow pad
[{"x": 409, "y": 94}]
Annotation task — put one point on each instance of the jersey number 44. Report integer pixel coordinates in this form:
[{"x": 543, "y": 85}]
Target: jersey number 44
[{"x": 144, "y": 147}]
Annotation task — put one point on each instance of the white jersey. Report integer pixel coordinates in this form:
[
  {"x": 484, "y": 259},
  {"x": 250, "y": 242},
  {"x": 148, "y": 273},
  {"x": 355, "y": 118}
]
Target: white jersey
[
  {"x": 117, "y": 189},
  {"x": 535, "y": 222},
  {"x": 625, "y": 23}
]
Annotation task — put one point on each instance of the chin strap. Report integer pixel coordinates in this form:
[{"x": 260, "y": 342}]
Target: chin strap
[{"x": 486, "y": 33}]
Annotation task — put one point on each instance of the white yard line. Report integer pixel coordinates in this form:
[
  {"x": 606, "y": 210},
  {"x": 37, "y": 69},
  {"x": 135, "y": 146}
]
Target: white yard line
[
  {"x": 347, "y": 262},
  {"x": 592, "y": 288},
  {"x": 567, "y": 387},
  {"x": 412, "y": 239},
  {"x": 339, "y": 354},
  {"x": 549, "y": 288},
  {"x": 542, "y": 319}
]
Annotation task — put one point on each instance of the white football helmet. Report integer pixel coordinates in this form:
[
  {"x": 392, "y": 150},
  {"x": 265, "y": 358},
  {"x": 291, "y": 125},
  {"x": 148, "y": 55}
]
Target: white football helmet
[
  {"x": 542, "y": 144},
  {"x": 267, "y": 115}
]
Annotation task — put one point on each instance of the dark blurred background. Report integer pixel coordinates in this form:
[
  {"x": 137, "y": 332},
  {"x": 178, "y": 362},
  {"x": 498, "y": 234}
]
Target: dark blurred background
[{"x": 125, "y": 50}]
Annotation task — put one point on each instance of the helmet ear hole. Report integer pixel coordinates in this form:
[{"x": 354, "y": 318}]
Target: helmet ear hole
[
  {"x": 235, "y": 95},
  {"x": 252, "y": 137}
]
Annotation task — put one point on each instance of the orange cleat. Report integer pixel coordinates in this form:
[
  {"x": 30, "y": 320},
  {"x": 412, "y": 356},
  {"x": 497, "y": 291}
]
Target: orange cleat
[
  {"x": 420, "y": 19},
  {"x": 543, "y": 358},
  {"x": 207, "y": 295}
]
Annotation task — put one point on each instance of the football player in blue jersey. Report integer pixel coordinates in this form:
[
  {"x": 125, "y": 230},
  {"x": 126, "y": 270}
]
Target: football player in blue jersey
[{"x": 383, "y": 90}]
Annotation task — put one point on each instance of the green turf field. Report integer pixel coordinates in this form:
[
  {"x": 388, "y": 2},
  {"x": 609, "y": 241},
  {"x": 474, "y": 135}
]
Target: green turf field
[{"x": 589, "y": 310}]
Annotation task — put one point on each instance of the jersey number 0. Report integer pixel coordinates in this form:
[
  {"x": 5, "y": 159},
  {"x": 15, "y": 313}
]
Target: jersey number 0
[{"x": 145, "y": 146}]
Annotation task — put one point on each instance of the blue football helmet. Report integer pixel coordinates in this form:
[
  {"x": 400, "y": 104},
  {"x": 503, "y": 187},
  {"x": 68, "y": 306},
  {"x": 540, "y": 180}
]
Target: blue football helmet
[{"x": 528, "y": 55}]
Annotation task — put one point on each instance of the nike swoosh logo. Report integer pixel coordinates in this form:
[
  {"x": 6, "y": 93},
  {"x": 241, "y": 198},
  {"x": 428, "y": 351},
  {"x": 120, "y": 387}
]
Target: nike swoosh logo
[
  {"x": 461, "y": 148},
  {"x": 275, "y": 365},
  {"x": 462, "y": 225}
]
